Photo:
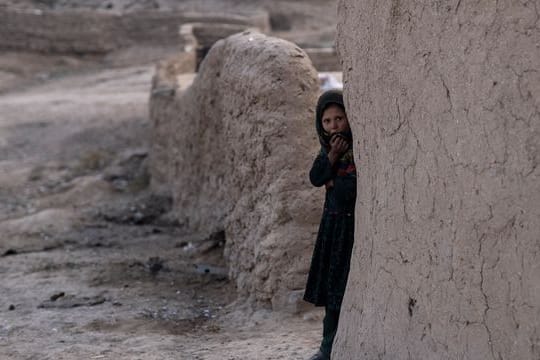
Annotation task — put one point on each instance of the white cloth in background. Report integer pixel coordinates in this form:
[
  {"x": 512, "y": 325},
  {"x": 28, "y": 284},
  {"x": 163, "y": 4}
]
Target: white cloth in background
[{"x": 329, "y": 82}]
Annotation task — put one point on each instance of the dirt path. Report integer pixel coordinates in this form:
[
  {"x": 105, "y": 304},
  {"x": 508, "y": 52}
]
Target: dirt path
[{"x": 92, "y": 265}]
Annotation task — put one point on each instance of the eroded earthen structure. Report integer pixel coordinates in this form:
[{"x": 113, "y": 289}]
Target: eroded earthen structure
[
  {"x": 100, "y": 32},
  {"x": 444, "y": 100},
  {"x": 235, "y": 149}
]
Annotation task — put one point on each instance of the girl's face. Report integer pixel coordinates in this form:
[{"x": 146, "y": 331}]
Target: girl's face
[{"x": 334, "y": 120}]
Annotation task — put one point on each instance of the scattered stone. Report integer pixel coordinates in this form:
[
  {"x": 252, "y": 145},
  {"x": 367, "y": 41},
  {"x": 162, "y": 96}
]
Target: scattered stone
[
  {"x": 50, "y": 247},
  {"x": 135, "y": 263},
  {"x": 189, "y": 247},
  {"x": 71, "y": 301},
  {"x": 155, "y": 265},
  {"x": 216, "y": 240},
  {"x": 57, "y": 296},
  {"x": 182, "y": 244},
  {"x": 95, "y": 244},
  {"x": 144, "y": 211},
  {"x": 221, "y": 272},
  {"x": 9, "y": 252}
]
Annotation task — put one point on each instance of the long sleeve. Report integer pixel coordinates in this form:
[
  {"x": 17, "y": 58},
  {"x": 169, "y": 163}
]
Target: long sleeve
[{"x": 321, "y": 171}]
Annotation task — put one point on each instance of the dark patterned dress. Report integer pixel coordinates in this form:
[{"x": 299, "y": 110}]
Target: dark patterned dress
[{"x": 331, "y": 257}]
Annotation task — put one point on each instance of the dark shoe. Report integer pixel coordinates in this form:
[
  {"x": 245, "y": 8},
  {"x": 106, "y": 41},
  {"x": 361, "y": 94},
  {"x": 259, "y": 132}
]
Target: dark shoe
[{"x": 319, "y": 356}]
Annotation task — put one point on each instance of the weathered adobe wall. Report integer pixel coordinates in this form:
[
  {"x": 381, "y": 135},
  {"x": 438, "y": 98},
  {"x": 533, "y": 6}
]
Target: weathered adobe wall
[
  {"x": 236, "y": 148},
  {"x": 205, "y": 35},
  {"x": 95, "y": 32},
  {"x": 444, "y": 101}
]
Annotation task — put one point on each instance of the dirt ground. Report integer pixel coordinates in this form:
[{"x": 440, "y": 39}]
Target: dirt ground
[{"x": 92, "y": 264}]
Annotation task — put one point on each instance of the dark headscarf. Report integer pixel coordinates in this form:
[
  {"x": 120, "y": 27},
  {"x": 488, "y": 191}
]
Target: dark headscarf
[{"x": 328, "y": 98}]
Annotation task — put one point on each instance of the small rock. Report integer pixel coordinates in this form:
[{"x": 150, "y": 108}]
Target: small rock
[
  {"x": 9, "y": 252},
  {"x": 155, "y": 265},
  {"x": 138, "y": 217},
  {"x": 11, "y": 307},
  {"x": 220, "y": 272},
  {"x": 72, "y": 301},
  {"x": 56, "y": 296}
]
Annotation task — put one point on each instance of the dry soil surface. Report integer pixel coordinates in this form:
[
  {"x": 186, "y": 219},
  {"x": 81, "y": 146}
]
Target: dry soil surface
[{"x": 93, "y": 266}]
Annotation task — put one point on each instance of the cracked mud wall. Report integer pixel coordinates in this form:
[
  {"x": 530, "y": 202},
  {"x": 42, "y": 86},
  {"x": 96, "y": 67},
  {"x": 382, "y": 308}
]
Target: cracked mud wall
[
  {"x": 235, "y": 148},
  {"x": 444, "y": 101}
]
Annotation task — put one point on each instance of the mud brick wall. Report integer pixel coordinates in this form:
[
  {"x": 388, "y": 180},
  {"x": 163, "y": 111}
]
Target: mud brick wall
[
  {"x": 205, "y": 35},
  {"x": 235, "y": 149},
  {"x": 93, "y": 32},
  {"x": 444, "y": 101}
]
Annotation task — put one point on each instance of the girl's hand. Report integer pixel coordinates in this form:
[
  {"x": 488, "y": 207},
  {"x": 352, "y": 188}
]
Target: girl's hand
[
  {"x": 329, "y": 184},
  {"x": 338, "y": 146}
]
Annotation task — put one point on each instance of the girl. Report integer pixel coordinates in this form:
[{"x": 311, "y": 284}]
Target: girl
[{"x": 334, "y": 168}]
